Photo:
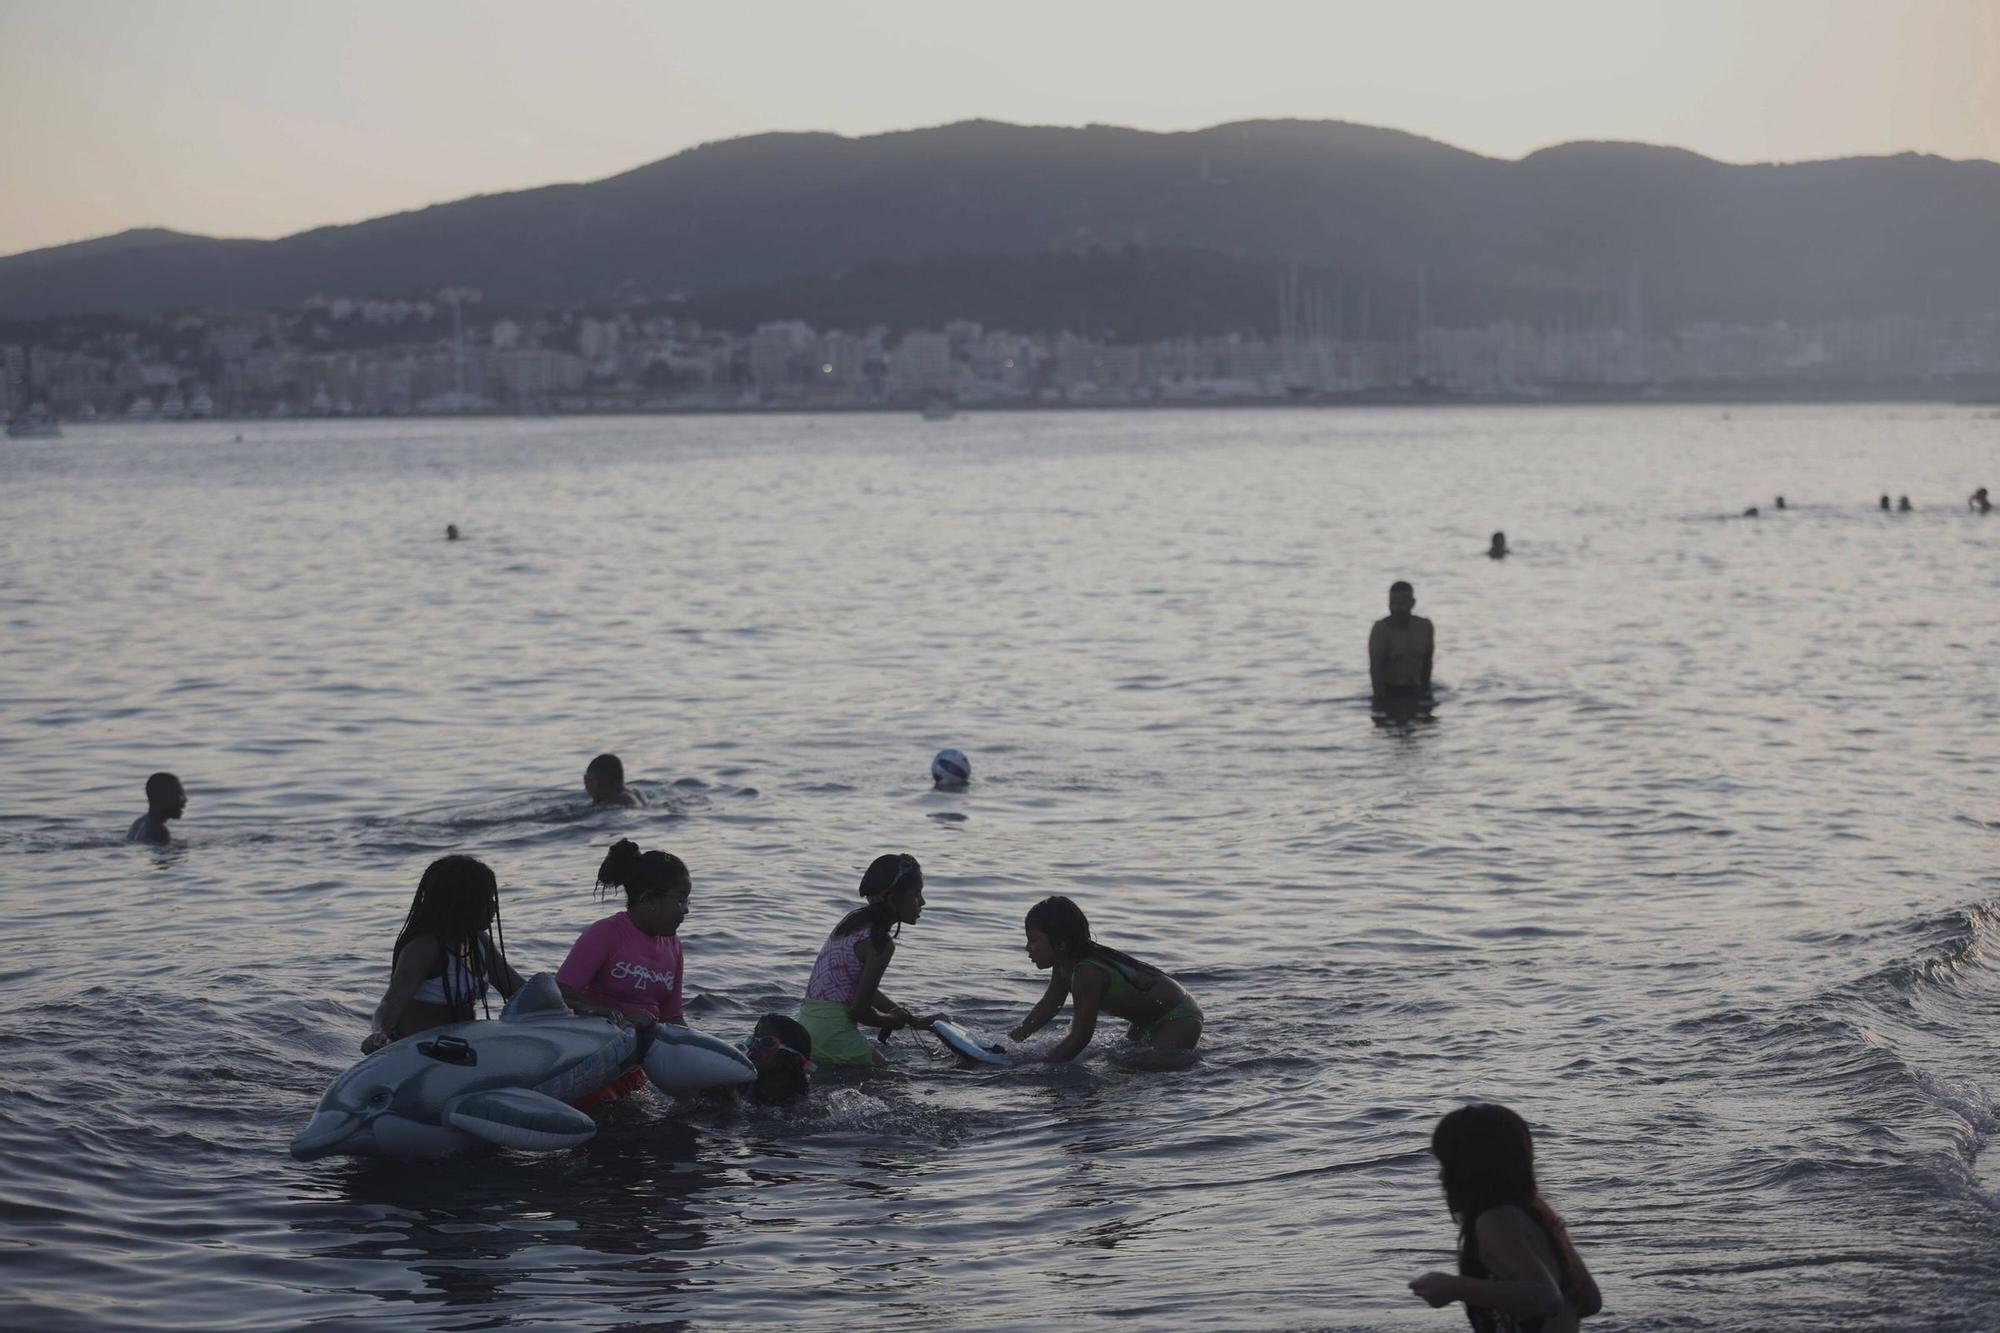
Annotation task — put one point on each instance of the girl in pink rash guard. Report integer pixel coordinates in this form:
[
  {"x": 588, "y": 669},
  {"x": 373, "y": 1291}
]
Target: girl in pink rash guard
[{"x": 627, "y": 967}]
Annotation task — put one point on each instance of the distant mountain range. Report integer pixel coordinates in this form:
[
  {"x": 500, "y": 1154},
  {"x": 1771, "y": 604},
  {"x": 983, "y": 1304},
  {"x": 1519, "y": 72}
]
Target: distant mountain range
[{"x": 998, "y": 218}]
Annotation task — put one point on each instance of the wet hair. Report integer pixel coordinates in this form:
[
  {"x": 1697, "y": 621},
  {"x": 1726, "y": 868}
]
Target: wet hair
[
  {"x": 642, "y": 875},
  {"x": 160, "y": 788},
  {"x": 885, "y": 875},
  {"x": 607, "y": 766},
  {"x": 1486, "y": 1159},
  {"x": 1404, "y": 584},
  {"x": 457, "y": 901},
  {"x": 789, "y": 1081},
  {"x": 1068, "y": 930}
]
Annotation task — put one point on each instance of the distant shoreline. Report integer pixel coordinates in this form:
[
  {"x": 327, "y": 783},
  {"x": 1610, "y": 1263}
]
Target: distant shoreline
[{"x": 1695, "y": 396}]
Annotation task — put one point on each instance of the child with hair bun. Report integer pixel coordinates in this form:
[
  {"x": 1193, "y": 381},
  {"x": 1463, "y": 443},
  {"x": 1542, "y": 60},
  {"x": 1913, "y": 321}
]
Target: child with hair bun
[{"x": 628, "y": 967}]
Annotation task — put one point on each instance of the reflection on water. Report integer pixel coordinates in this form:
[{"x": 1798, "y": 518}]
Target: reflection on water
[{"x": 1692, "y": 862}]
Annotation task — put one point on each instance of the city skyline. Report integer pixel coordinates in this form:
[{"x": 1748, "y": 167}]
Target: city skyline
[{"x": 223, "y": 118}]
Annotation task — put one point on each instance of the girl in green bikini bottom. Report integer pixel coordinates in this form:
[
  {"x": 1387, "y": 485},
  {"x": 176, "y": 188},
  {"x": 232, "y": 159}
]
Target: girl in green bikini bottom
[
  {"x": 846, "y": 985},
  {"x": 1098, "y": 979}
]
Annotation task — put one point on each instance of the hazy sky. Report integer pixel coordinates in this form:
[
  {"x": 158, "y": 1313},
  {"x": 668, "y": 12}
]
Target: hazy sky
[{"x": 263, "y": 117}]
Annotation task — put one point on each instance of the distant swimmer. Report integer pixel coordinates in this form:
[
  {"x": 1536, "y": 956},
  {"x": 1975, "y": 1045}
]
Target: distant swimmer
[
  {"x": 1980, "y": 502},
  {"x": 1751, "y": 512},
  {"x": 1400, "y": 648},
  {"x": 1903, "y": 505},
  {"x": 1885, "y": 504},
  {"x": 1780, "y": 504},
  {"x": 451, "y": 532},
  {"x": 165, "y": 799},
  {"x": 951, "y": 770},
  {"x": 604, "y": 782},
  {"x": 1498, "y": 550}
]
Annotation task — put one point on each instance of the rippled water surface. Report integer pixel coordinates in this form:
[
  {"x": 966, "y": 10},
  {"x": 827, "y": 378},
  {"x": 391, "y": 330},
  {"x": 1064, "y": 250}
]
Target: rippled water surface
[{"x": 1695, "y": 866}]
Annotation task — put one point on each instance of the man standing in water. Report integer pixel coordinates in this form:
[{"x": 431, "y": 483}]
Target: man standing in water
[
  {"x": 165, "y": 799},
  {"x": 1400, "y": 649}
]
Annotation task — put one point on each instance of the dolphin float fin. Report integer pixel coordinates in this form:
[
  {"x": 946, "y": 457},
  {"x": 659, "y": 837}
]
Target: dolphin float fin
[
  {"x": 683, "y": 1060},
  {"x": 540, "y": 996},
  {"x": 518, "y": 1118}
]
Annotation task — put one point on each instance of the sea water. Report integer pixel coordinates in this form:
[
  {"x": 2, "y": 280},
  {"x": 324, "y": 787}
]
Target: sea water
[{"x": 1694, "y": 863}]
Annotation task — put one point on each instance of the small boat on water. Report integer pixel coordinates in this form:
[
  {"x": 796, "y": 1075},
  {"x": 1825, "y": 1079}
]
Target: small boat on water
[{"x": 34, "y": 424}]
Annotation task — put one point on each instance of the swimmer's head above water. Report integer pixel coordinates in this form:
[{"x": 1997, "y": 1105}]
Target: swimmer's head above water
[
  {"x": 604, "y": 781},
  {"x": 894, "y": 888},
  {"x": 1499, "y": 547},
  {"x": 1402, "y": 599},
  {"x": 780, "y": 1049},
  {"x": 165, "y": 797},
  {"x": 1058, "y": 932}
]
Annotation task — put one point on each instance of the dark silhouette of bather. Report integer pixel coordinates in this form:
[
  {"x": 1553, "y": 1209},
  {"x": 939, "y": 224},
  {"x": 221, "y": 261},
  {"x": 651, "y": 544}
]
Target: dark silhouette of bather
[
  {"x": 1400, "y": 649},
  {"x": 604, "y": 782},
  {"x": 165, "y": 799}
]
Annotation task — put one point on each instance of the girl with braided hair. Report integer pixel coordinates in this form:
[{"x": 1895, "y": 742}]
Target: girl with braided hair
[{"x": 447, "y": 955}]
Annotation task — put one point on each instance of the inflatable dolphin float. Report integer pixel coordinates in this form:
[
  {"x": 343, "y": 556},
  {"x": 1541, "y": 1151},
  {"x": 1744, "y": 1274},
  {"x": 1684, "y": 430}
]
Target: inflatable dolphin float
[{"x": 507, "y": 1081}]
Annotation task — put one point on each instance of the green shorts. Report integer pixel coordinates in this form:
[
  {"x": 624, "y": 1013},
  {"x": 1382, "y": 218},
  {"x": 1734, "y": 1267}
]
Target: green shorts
[
  {"x": 1187, "y": 1008},
  {"x": 836, "y": 1041}
]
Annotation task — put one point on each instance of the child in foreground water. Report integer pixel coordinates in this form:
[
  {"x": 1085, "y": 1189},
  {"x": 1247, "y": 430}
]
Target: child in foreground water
[
  {"x": 1517, "y": 1270},
  {"x": 846, "y": 985},
  {"x": 446, "y": 955},
  {"x": 1099, "y": 979}
]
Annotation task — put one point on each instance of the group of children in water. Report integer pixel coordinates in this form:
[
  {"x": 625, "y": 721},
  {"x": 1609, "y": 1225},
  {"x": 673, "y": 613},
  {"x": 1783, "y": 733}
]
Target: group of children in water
[
  {"x": 1518, "y": 1272},
  {"x": 630, "y": 967}
]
